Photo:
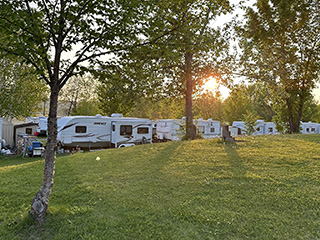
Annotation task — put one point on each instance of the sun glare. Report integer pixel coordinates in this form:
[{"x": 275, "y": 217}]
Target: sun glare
[{"x": 213, "y": 85}]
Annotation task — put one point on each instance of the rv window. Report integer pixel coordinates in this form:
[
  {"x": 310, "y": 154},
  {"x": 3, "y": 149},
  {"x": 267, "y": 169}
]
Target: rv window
[
  {"x": 270, "y": 129},
  {"x": 81, "y": 129},
  {"x": 113, "y": 128},
  {"x": 125, "y": 130},
  {"x": 28, "y": 130},
  {"x": 307, "y": 129},
  {"x": 258, "y": 129},
  {"x": 143, "y": 130},
  {"x": 313, "y": 129},
  {"x": 212, "y": 129}
]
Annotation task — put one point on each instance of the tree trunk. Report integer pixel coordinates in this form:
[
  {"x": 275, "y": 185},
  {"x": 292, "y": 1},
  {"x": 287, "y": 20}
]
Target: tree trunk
[
  {"x": 41, "y": 200},
  {"x": 294, "y": 121},
  {"x": 301, "y": 104},
  {"x": 190, "y": 128}
]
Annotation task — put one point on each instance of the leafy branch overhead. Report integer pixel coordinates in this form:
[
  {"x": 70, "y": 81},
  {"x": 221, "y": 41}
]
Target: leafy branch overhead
[{"x": 46, "y": 33}]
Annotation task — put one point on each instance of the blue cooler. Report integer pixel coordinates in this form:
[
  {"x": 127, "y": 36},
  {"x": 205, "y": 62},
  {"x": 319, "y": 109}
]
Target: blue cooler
[{"x": 37, "y": 148}]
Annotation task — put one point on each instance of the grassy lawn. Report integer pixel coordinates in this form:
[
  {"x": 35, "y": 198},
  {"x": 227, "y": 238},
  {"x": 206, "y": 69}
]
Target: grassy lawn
[{"x": 265, "y": 187}]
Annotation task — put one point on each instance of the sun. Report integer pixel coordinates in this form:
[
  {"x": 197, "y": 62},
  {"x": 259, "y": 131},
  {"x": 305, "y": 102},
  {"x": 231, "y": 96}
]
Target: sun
[{"x": 213, "y": 85}]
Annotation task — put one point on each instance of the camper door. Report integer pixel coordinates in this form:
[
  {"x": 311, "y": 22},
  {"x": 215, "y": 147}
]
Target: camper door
[{"x": 121, "y": 133}]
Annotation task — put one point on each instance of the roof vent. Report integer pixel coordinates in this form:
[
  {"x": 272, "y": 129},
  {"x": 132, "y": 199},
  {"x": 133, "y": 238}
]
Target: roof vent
[{"x": 116, "y": 115}]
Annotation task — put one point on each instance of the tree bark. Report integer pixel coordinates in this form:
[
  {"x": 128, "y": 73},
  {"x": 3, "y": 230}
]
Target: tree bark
[
  {"x": 190, "y": 128},
  {"x": 41, "y": 200}
]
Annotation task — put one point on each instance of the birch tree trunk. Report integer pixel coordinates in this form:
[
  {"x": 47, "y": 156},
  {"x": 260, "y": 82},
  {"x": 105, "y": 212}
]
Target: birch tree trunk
[{"x": 41, "y": 200}]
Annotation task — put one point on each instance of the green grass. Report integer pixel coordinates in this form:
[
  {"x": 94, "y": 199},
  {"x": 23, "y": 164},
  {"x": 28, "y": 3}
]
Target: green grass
[{"x": 265, "y": 187}]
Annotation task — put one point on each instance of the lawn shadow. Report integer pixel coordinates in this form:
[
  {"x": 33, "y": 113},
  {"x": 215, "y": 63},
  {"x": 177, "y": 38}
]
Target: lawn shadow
[
  {"x": 6, "y": 161},
  {"x": 234, "y": 160},
  {"x": 166, "y": 153}
]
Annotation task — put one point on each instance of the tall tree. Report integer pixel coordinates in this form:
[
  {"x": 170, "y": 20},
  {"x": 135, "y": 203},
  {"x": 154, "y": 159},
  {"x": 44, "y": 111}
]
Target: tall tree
[
  {"x": 197, "y": 48},
  {"x": 181, "y": 60},
  {"x": 45, "y": 33},
  {"x": 281, "y": 47},
  {"x": 21, "y": 92}
]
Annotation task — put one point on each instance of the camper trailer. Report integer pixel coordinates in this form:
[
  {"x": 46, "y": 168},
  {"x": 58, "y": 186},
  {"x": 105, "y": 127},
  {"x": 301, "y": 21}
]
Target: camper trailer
[
  {"x": 310, "y": 128},
  {"x": 42, "y": 124},
  {"x": 89, "y": 132},
  {"x": 128, "y": 131},
  {"x": 265, "y": 128},
  {"x": 170, "y": 129},
  {"x": 208, "y": 128},
  {"x": 237, "y": 128},
  {"x": 84, "y": 132}
]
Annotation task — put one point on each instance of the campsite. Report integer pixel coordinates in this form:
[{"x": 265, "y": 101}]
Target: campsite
[
  {"x": 258, "y": 188},
  {"x": 181, "y": 119}
]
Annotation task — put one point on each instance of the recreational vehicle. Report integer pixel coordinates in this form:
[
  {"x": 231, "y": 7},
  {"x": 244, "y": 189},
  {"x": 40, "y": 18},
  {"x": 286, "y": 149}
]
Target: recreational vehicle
[
  {"x": 88, "y": 132},
  {"x": 265, "y": 128},
  {"x": 170, "y": 129},
  {"x": 237, "y": 128},
  {"x": 310, "y": 127},
  {"x": 42, "y": 124},
  {"x": 84, "y": 132},
  {"x": 130, "y": 131},
  {"x": 208, "y": 128}
]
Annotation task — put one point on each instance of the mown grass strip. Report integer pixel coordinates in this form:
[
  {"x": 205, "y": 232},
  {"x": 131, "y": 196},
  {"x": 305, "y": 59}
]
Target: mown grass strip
[{"x": 263, "y": 187}]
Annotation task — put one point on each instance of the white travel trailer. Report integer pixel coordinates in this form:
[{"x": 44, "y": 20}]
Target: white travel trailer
[
  {"x": 208, "y": 128},
  {"x": 42, "y": 124},
  {"x": 89, "y": 132},
  {"x": 261, "y": 128},
  {"x": 170, "y": 129},
  {"x": 237, "y": 128},
  {"x": 265, "y": 128},
  {"x": 84, "y": 132},
  {"x": 310, "y": 127},
  {"x": 126, "y": 131}
]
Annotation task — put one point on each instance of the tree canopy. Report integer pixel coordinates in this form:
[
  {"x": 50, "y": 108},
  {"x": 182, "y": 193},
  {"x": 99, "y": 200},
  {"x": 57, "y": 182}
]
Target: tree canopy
[
  {"x": 281, "y": 47},
  {"x": 21, "y": 92}
]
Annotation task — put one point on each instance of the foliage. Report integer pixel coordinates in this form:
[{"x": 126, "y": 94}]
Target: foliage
[
  {"x": 250, "y": 121},
  {"x": 311, "y": 111},
  {"x": 167, "y": 108},
  {"x": 208, "y": 105},
  {"x": 262, "y": 101},
  {"x": 87, "y": 108},
  {"x": 21, "y": 92},
  {"x": 280, "y": 42},
  {"x": 258, "y": 188},
  {"x": 78, "y": 90},
  {"x": 236, "y": 106}
]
